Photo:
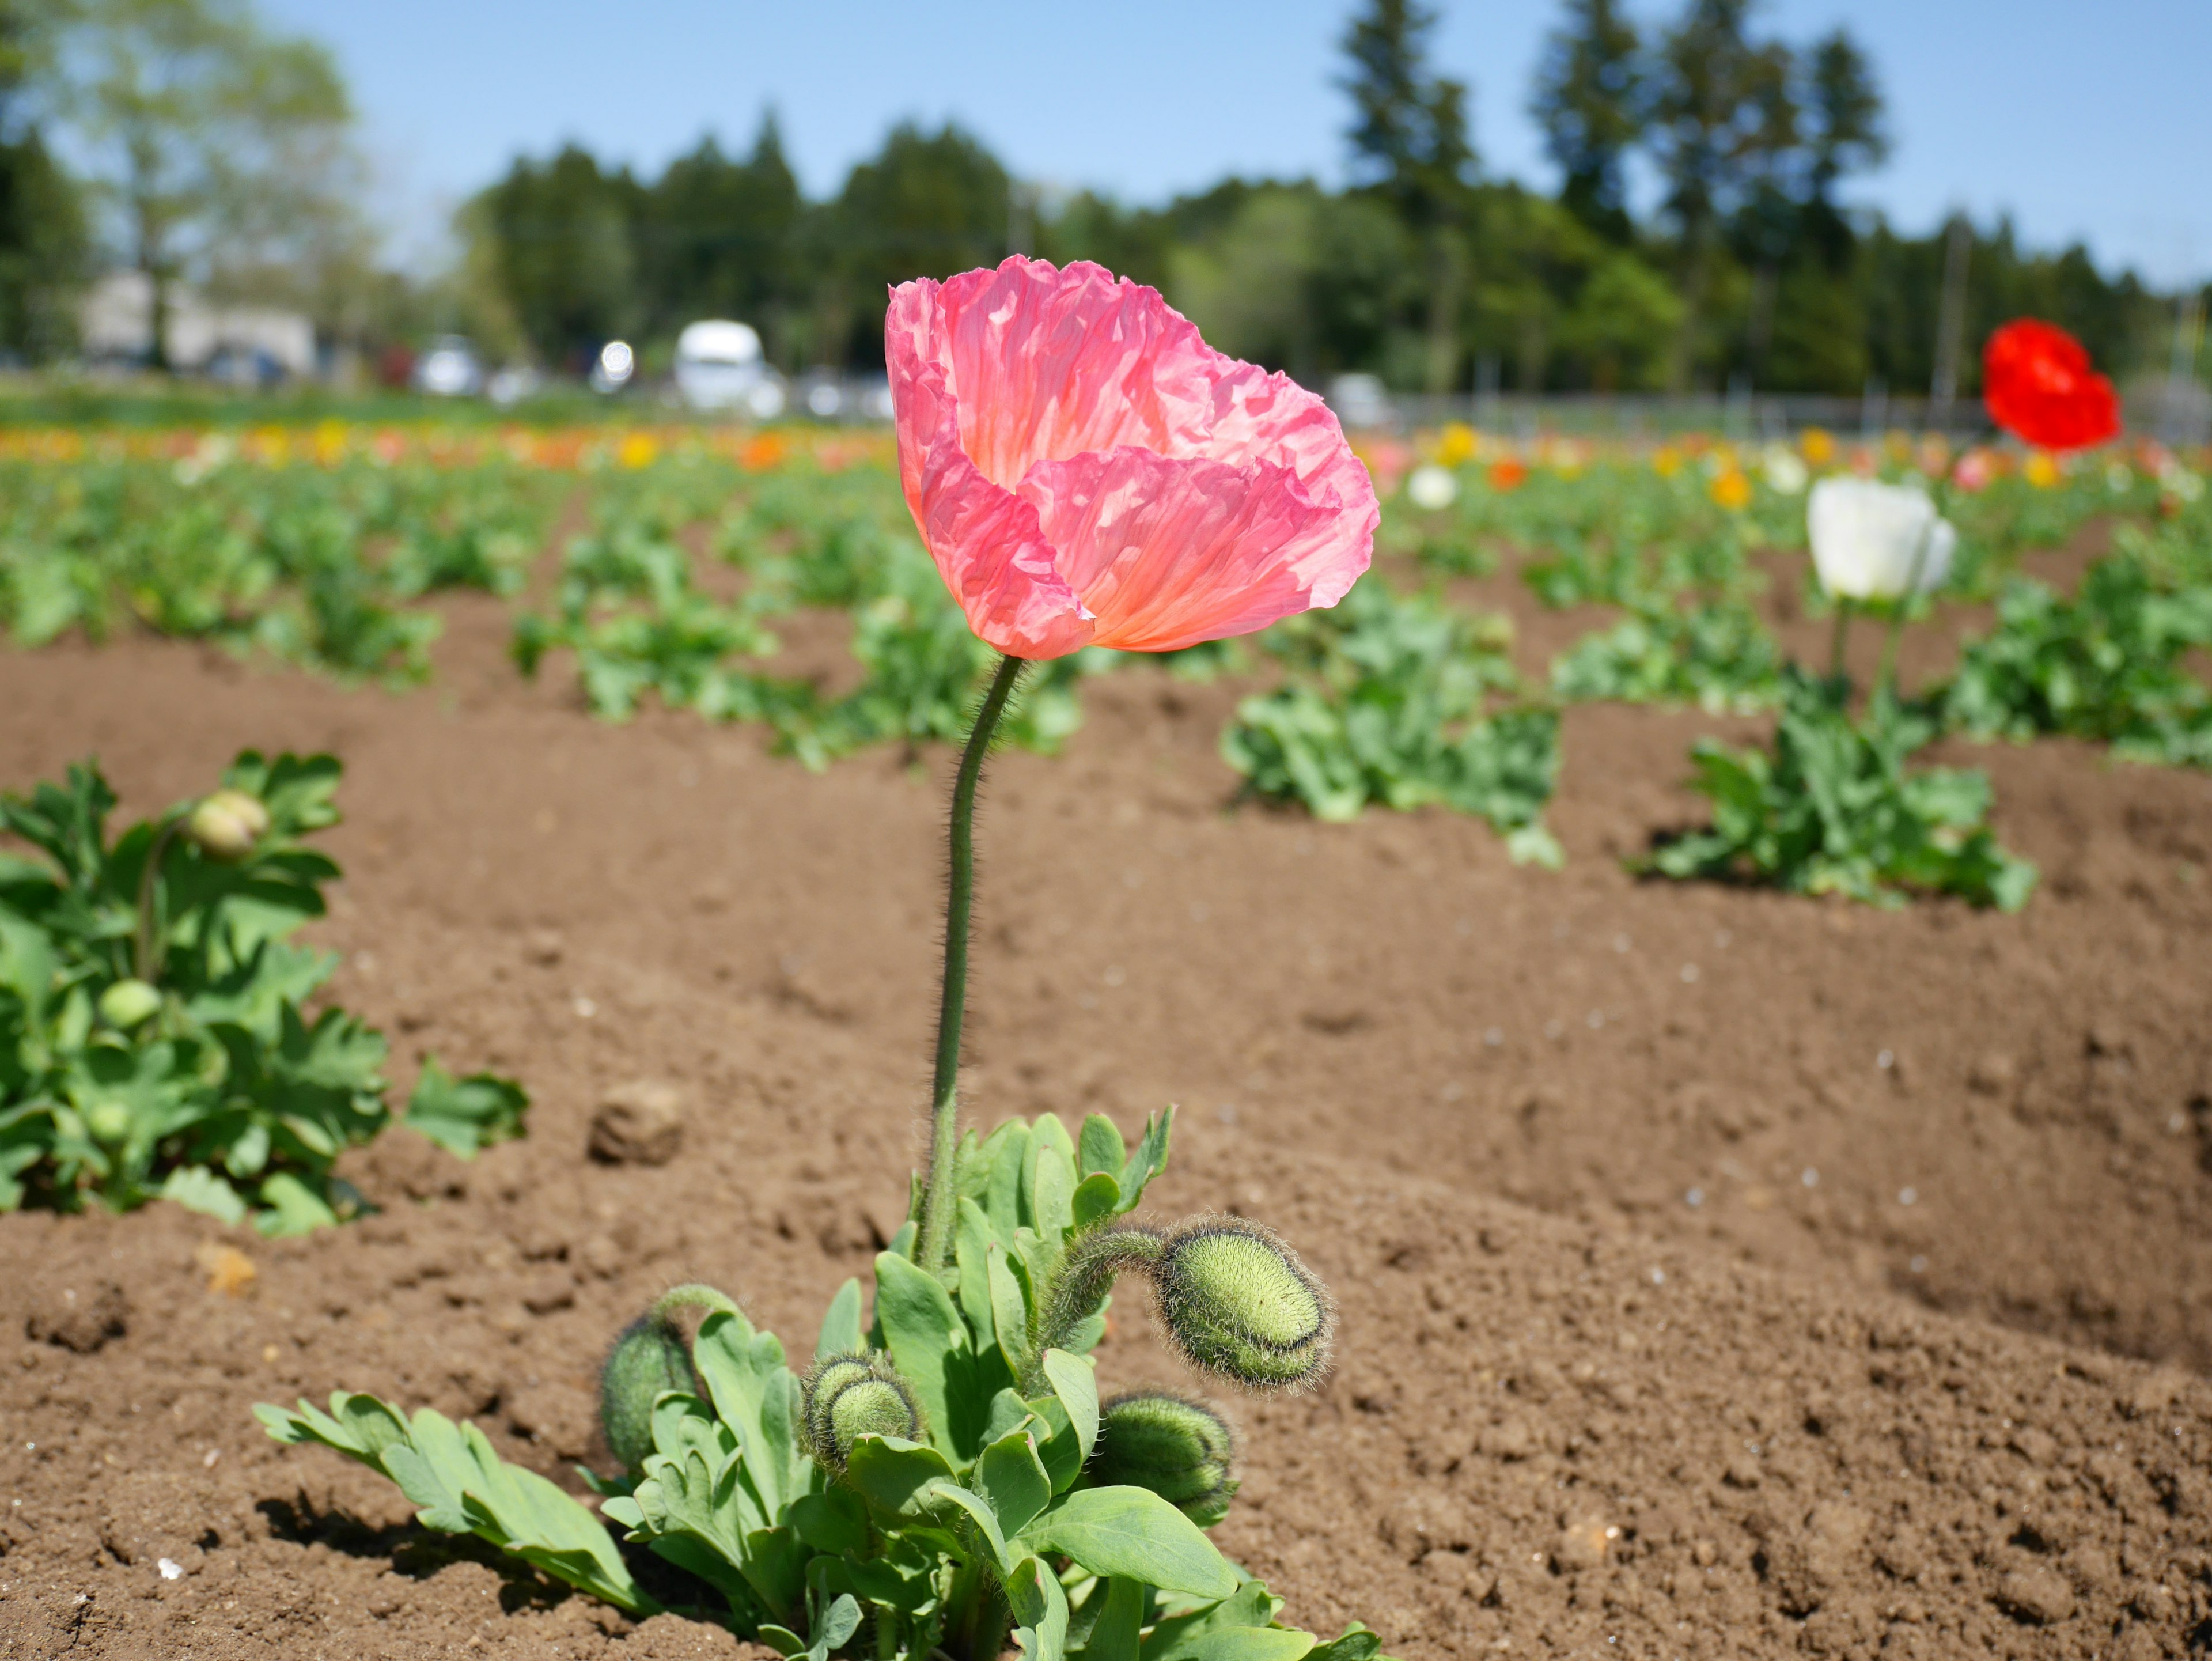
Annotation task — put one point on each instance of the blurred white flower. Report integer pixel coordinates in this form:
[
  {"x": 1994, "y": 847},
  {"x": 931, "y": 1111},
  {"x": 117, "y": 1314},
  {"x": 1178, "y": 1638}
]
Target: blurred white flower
[
  {"x": 1431, "y": 488},
  {"x": 1872, "y": 541},
  {"x": 1785, "y": 470}
]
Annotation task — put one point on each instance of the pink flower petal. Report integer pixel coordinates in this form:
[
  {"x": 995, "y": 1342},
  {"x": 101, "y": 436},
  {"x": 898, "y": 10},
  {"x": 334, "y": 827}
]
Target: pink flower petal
[
  {"x": 1166, "y": 553},
  {"x": 1028, "y": 389}
]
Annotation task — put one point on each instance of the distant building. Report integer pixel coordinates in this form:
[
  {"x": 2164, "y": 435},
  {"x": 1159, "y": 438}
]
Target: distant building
[{"x": 116, "y": 323}]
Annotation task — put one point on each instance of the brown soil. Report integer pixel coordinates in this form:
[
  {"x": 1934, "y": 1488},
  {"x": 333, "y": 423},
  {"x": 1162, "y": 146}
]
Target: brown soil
[{"x": 1723, "y": 1273}]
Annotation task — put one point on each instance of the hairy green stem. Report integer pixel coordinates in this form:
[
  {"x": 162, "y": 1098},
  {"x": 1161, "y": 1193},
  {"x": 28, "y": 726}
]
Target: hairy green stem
[
  {"x": 692, "y": 1295},
  {"x": 144, "y": 962},
  {"x": 1885, "y": 678},
  {"x": 1839, "y": 669},
  {"x": 1087, "y": 1271},
  {"x": 939, "y": 1206}
]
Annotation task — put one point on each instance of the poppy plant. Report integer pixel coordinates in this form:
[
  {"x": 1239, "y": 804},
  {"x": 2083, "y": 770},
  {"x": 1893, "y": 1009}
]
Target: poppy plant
[
  {"x": 1087, "y": 471},
  {"x": 2040, "y": 386}
]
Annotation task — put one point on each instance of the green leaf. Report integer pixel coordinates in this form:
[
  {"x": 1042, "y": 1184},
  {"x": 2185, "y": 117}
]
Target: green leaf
[
  {"x": 1132, "y": 1531},
  {"x": 463, "y": 1115},
  {"x": 1356, "y": 1643},
  {"x": 1010, "y": 1476},
  {"x": 1097, "y": 1198},
  {"x": 291, "y": 1207},
  {"x": 841, "y": 1323},
  {"x": 1218, "y": 1630},
  {"x": 1100, "y": 1148},
  {"x": 1075, "y": 1382},
  {"x": 197, "y": 1189},
  {"x": 1148, "y": 1159},
  {"x": 1039, "y": 1604},
  {"x": 833, "y": 1521},
  {"x": 459, "y": 1484},
  {"x": 971, "y": 1254},
  {"x": 757, "y": 1397},
  {"x": 980, "y": 1513},
  {"x": 1051, "y": 1179},
  {"x": 895, "y": 1476},
  {"x": 1239, "y": 1644},
  {"x": 1113, "y": 1635},
  {"x": 1010, "y": 1309},
  {"x": 842, "y": 1620},
  {"x": 926, "y": 1339}
]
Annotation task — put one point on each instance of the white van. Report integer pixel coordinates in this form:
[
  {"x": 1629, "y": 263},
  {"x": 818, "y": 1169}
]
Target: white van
[{"x": 719, "y": 366}]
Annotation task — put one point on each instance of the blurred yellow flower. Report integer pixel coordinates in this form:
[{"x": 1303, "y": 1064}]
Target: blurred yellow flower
[
  {"x": 638, "y": 450},
  {"x": 1732, "y": 490},
  {"x": 1818, "y": 446},
  {"x": 2042, "y": 470},
  {"x": 1456, "y": 444},
  {"x": 1666, "y": 461}
]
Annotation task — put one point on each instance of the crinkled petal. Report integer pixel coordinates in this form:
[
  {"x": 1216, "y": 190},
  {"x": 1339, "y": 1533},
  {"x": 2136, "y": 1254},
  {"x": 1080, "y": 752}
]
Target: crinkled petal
[
  {"x": 1166, "y": 553},
  {"x": 1027, "y": 386},
  {"x": 986, "y": 540}
]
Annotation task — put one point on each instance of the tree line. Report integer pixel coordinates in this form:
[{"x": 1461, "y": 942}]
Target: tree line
[
  {"x": 1744, "y": 269},
  {"x": 1749, "y": 270}
]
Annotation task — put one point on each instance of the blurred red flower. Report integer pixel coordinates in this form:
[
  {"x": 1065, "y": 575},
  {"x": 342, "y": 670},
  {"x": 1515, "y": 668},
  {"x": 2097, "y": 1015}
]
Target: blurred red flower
[{"x": 2040, "y": 386}]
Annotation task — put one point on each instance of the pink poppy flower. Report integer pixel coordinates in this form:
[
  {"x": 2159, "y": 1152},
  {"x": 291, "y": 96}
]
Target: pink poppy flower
[{"x": 1087, "y": 471}]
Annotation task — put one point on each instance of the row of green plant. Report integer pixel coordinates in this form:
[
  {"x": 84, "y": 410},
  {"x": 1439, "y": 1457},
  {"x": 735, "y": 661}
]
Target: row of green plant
[
  {"x": 633, "y": 611},
  {"x": 1394, "y": 699},
  {"x": 323, "y": 568},
  {"x": 161, "y": 1034}
]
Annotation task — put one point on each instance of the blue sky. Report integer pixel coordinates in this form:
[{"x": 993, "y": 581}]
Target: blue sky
[{"x": 2097, "y": 129}]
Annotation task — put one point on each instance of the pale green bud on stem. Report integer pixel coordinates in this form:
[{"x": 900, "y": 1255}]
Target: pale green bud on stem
[
  {"x": 1179, "y": 1449},
  {"x": 845, "y": 1397},
  {"x": 127, "y": 1003},
  {"x": 226, "y": 823},
  {"x": 649, "y": 1358},
  {"x": 1237, "y": 1301}
]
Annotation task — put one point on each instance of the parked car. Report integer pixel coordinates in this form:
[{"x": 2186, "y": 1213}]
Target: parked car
[
  {"x": 451, "y": 368},
  {"x": 719, "y": 366}
]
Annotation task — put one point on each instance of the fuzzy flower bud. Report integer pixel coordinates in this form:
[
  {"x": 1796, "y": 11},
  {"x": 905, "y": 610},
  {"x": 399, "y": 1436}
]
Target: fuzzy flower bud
[
  {"x": 226, "y": 823},
  {"x": 846, "y": 1397},
  {"x": 1237, "y": 1301},
  {"x": 647, "y": 1359},
  {"x": 1179, "y": 1449},
  {"x": 127, "y": 1003}
]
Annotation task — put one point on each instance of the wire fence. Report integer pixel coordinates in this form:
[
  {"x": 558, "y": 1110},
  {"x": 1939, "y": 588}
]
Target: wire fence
[{"x": 2176, "y": 412}]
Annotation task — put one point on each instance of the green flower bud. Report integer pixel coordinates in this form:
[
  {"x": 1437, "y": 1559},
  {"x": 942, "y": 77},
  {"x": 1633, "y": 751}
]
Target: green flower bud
[
  {"x": 1237, "y": 1301},
  {"x": 226, "y": 823},
  {"x": 127, "y": 1003},
  {"x": 109, "y": 1122},
  {"x": 1179, "y": 1449},
  {"x": 846, "y": 1397},
  {"x": 647, "y": 1359}
]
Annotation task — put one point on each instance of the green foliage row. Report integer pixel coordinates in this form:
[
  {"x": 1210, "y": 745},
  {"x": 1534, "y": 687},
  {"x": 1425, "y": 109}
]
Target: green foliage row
[
  {"x": 320, "y": 568},
  {"x": 155, "y": 1041},
  {"x": 1834, "y": 809},
  {"x": 1387, "y": 701},
  {"x": 2107, "y": 665},
  {"x": 631, "y": 609}
]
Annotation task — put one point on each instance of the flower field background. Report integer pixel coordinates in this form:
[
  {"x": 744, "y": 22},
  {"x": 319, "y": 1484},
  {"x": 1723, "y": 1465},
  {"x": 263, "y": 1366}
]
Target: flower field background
[{"x": 1653, "y": 1206}]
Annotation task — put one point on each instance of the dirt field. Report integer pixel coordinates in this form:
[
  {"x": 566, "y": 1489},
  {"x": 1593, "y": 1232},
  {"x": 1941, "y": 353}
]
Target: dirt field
[{"x": 1722, "y": 1274}]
